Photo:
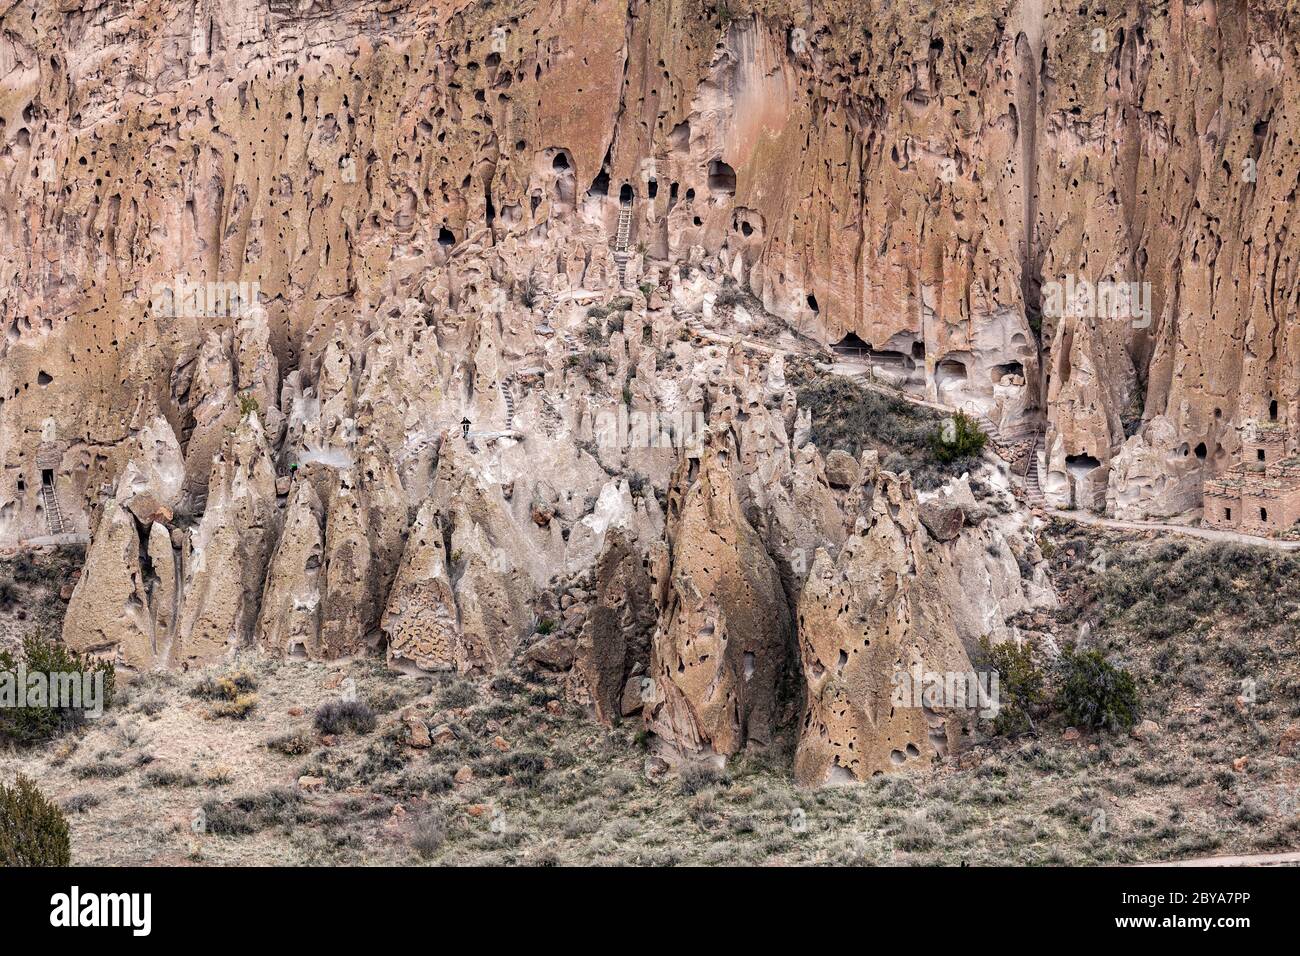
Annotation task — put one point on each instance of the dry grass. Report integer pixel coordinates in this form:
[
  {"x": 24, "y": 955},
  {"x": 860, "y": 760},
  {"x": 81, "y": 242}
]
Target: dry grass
[{"x": 160, "y": 781}]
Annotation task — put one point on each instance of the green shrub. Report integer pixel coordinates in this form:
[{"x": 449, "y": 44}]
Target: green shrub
[
  {"x": 958, "y": 438},
  {"x": 252, "y": 813},
  {"x": 847, "y": 416},
  {"x": 34, "y": 724},
  {"x": 1092, "y": 692},
  {"x": 237, "y": 709},
  {"x": 1020, "y": 685},
  {"x": 293, "y": 744},
  {"x": 33, "y": 831},
  {"x": 459, "y": 694}
]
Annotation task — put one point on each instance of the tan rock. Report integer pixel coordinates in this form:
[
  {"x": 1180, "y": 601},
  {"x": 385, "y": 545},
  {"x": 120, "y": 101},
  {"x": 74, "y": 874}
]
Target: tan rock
[
  {"x": 289, "y": 621},
  {"x": 873, "y": 625},
  {"x": 229, "y": 550},
  {"x": 615, "y": 637},
  {"x": 720, "y": 646},
  {"x": 841, "y": 469}
]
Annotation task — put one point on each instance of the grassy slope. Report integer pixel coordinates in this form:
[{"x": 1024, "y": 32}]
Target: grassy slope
[{"x": 569, "y": 791}]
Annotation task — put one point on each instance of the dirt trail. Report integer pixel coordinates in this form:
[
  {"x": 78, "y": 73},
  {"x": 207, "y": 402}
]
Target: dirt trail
[
  {"x": 857, "y": 371},
  {"x": 1254, "y": 859}
]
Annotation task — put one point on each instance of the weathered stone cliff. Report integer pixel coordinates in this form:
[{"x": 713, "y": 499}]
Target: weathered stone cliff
[{"x": 316, "y": 317}]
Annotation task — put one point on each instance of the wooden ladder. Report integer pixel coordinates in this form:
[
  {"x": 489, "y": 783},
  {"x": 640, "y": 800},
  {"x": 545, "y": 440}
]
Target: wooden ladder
[{"x": 53, "y": 516}]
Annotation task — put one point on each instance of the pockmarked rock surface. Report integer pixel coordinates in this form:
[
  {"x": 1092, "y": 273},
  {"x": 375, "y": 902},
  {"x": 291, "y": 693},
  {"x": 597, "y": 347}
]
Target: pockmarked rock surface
[{"x": 471, "y": 336}]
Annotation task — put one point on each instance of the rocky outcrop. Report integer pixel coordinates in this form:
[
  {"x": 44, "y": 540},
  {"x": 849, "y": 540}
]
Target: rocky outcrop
[
  {"x": 364, "y": 534},
  {"x": 869, "y": 623},
  {"x": 125, "y": 604},
  {"x": 289, "y": 621},
  {"x": 229, "y": 551},
  {"x": 724, "y": 627},
  {"x": 613, "y": 650},
  {"x": 925, "y": 180},
  {"x": 422, "y": 620},
  {"x": 461, "y": 595},
  {"x": 109, "y": 614}
]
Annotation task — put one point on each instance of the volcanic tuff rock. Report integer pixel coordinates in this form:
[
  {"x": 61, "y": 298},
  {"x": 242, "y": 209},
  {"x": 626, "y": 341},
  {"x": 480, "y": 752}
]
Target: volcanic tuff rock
[
  {"x": 614, "y": 647},
  {"x": 402, "y": 218},
  {"x": 865, "y": 621},
  {"x": 721, "y": 643},
  {"x": 909, "y": 173}
]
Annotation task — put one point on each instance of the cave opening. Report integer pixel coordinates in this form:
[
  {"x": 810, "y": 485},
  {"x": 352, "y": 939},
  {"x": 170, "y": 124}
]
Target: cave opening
[
  {"x": 851, "y": 344},
  {"x": 625, "y": 193},
  {"x": 950, "y": 371},
  {"x": 1007, "y": 368},
  {"x": 1080, "y": 465},
  {"x": 722, "y": 178}
]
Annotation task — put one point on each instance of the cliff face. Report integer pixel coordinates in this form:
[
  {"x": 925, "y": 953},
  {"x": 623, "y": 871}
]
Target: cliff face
[
  {"x": 911, "y": 175},
  {"x": 407, "y": 256}
]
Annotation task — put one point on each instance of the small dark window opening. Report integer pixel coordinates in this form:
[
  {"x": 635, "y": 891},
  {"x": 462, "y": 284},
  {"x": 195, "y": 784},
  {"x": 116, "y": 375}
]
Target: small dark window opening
[
  {"x": 690, "y": 194},
  {"x": 561, "y": 161},
  {"x": 1272, "y": 410},
  {"x": 446, "y": 237},
  {"x": 22, "y": 485},
  {"x": 653, "y": 188},
  {"x": 746, "y": 229},
  {"x": 625, "y": 193},
  {"x": 1263, "y": 514},
  {"x": 1202, "y": 451},
  {"x": 44, "y": 378},
  {"x": 1259, "y": 453},
  {"x": 47, "y": 477},
  {"x": 1227, "y": 513},
  {"x": 812, "y": 302}
]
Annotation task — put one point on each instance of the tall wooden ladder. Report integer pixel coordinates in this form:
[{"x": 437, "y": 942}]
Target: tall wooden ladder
[{"x": 621, "y": 241}]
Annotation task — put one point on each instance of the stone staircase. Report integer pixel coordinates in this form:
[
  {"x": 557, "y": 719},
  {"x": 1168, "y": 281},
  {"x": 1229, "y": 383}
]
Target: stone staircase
[
  {"x": 53, "y": 514},
  {"x": 621, "y": 241},
  {"x": 1033, "y": 482}
]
